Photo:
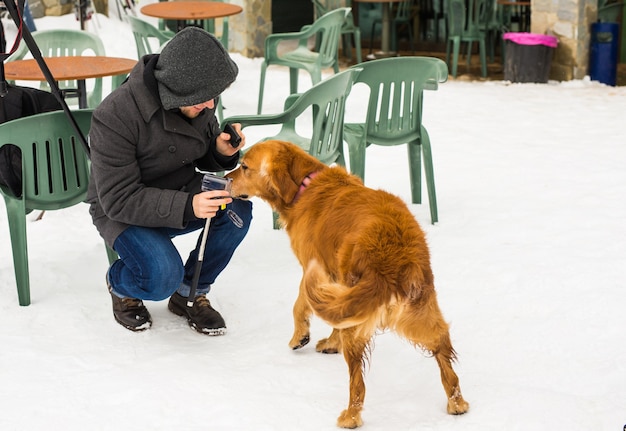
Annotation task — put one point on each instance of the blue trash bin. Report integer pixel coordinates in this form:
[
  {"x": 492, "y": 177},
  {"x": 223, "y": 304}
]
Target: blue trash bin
[{"x": 603, "y": 53}]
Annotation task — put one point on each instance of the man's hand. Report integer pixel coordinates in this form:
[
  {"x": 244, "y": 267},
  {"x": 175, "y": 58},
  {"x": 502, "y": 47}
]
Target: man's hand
[
  {"x": 223, "y": 142},
  {"x": 207, "y": 204}
]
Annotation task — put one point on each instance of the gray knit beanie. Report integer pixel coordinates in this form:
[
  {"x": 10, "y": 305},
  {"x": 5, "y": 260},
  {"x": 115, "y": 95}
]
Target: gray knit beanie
[{"x": 193, "y": 68}]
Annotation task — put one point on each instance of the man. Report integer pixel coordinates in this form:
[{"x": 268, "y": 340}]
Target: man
[{"x": 147, "y": 139}]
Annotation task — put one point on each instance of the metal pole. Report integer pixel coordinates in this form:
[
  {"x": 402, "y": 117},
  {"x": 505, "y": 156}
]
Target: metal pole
[{"x": 196, "y": 274}]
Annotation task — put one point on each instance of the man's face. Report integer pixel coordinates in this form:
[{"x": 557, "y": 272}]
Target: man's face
[{"x": 194, "y": 111}]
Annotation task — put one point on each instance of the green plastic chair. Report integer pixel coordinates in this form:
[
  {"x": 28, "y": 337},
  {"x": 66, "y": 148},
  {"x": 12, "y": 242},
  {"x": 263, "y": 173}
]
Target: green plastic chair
[
  {"x": 469, "y": 28},
  {"x": 146, "y": 35},
  {"x": 55, "y": 175},
  {"x": 493, "y": 26},
  {"x": 323, "y": 107},
  {"x": 62, "y": 42},
  {"x": 402, "y": 16},
  {"x": 394, "y": 116},
  {"x": 348, "y": 29},
  {"x": 327, "y": 28},
  {"x": 431, "y": 11}
]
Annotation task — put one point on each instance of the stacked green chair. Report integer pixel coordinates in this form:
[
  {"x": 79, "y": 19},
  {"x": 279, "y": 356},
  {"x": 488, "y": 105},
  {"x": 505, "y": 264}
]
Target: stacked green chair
[
  {"x": 349, "y": 28},
  {"x": 64, "y": 42},
  {"x": 435, "y": 11},
  {"x": 55, "y": 175},
  {"x": 326, "y": 28},
  {"x": 492, "y": 25},
  {"x": 322, "y": 107},
  {"x": 394, "y": 116},
  {"x": 146, "y": 35},
  {"x": 467, "y": 25}
]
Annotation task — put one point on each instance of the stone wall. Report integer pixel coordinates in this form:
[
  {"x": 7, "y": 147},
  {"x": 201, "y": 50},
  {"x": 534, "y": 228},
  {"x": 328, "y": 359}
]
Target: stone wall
[
  {"x": 40, "y": 8},
  {"x": 249, "y": 29},
  {"x": 570, "y": 21}
]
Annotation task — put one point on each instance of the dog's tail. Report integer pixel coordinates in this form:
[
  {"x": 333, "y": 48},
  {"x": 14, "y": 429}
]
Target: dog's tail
[{"x": 344, "y": 306}]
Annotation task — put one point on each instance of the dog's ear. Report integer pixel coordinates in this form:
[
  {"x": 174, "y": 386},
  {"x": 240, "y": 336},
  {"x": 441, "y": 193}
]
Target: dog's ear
[
  {"x": 285, "y": 185},
  {"x": 291, "y": 166},
  {"x": 278, "y": 170},
  {"x": 302, "y": 165}
]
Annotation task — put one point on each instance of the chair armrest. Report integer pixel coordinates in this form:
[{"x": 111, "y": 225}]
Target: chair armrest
[
  {"x": 290, "y": 100},
  {"x": 440, "y": 75},
  {"x": 256, "y": 120},
  {"x": 273, "y": 40}
]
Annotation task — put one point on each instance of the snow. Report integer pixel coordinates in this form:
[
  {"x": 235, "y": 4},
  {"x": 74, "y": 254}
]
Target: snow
[{"x": 529, "y": 258}]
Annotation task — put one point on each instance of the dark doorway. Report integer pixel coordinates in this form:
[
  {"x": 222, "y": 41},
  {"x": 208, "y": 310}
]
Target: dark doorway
[{"x": 291, "y": 15}]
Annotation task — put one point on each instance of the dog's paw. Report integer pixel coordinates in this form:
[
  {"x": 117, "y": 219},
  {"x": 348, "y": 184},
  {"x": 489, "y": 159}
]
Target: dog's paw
[
  {"x": 325, "y": 346},
  {"x": 456, "y": 404},
  {"x": 298, "y": 343},
  {"x": 349, "y": 419}
]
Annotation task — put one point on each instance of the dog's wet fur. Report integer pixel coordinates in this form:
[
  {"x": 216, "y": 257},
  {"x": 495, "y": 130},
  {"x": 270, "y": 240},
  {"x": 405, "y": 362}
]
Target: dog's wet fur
[{"x": 365, "y": 260}]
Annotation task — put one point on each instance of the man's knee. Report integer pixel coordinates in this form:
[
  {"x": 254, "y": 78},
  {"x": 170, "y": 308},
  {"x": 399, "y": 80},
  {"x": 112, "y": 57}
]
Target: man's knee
[{"x": 163, "y": 281}]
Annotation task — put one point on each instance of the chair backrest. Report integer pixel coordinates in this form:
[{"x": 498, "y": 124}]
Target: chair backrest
[
  {"x": 482, "y": 14},
  {"x": 403, "y": 10},
  {"x": 396, "y": 84},
  {"x": 327, "y": 101},
  {"x": 55, "y": 166},
  {"x": 457, "y": 17},
  {"x": 329, "y": 27},
  {"x": 63, "y": 42},
  {"x": 322, "y": 7},
  {"x": 145, "y": 35},
  {"x": 468, "y": 17}
]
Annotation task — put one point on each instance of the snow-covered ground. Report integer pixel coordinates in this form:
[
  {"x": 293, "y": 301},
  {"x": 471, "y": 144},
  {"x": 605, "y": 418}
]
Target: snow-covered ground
[{"x": 529, "y": 258}]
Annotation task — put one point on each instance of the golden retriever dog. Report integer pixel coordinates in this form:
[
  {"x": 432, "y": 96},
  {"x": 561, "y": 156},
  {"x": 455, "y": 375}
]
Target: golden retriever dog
[{"x": 365, "y": 261}]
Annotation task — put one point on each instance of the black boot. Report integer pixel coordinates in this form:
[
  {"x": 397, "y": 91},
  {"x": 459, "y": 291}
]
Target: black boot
[
  {"x": 130, "y": 312},
  {"x": 201, "y": 316}
]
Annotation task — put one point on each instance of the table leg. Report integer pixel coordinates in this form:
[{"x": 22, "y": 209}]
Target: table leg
[
  {"x": 526, "y": 18},
  {"x": 385, "y": 35},
  {"x": 386, "y": 28},
  {"x": 82, "y": 94}
]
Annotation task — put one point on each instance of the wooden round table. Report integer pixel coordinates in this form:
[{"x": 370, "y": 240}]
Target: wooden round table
[
  {"x": 70, "y": 68},
  {"x": 182, "y": 11}
]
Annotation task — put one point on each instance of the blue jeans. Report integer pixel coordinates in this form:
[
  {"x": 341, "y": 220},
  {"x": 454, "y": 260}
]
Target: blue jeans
[{"x": 151, "y": 268}]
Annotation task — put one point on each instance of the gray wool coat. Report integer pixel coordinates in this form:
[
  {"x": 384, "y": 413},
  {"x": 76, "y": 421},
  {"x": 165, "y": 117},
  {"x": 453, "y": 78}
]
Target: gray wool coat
[{"x": 144, "y": 158}]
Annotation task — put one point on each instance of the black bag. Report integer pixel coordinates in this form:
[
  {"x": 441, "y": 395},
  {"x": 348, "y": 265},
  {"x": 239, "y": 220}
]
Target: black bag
[{"x": 20, "y": 102}]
